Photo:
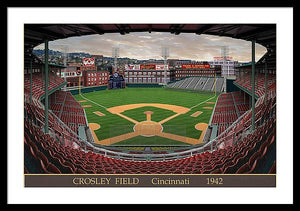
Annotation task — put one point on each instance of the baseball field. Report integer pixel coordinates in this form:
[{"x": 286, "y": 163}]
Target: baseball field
[{"x": 147, "y": 116}]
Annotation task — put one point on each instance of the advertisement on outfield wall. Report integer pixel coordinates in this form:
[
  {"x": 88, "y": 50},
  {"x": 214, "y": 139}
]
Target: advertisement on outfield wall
[
  {"x": 147, "y": 66},
  {"x": 132, "y": 67},
  {"x": 162, "y": 67},
  {"x": 195, "y": 66},
  {"x": 88, "y": 62}
]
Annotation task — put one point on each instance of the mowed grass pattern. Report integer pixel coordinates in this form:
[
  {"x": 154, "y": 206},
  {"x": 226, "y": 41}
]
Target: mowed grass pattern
[
  {"x": 158, "y": 113},
  {"x": 113, "y": 125}
]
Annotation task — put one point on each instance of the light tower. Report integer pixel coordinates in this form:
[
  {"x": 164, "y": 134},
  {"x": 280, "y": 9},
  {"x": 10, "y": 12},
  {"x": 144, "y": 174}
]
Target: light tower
[
  {"x": 65, "y": 55},
  {"x": 224, "y": 55},
  {"x": 115, "y": 55},
  {"x": 165, "y": 55}
]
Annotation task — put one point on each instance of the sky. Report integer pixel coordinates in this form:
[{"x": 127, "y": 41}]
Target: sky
[{"x": 145, "y": 45}]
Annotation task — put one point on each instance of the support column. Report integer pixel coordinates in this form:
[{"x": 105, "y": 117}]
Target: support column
[
  {"x": 215, "y": 84},
  {"x": 46, "y": 87},
  {"x": 165, "y": 72},
  {"x": 30, "y": 81},
  {"x": 253, "y": 86}
]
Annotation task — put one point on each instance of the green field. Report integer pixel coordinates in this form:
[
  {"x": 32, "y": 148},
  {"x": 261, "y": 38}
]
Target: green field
[{"x": 114, "y": 125}]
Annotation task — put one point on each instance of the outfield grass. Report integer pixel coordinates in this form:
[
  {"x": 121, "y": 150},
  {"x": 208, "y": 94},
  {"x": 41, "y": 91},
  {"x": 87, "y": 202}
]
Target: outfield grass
[{"x": 113, "y": 125}]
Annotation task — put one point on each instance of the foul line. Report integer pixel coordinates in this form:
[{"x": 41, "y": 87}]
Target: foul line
[
  {"x": 93, "y": 101},
  {"x": 202, "y": 102}
]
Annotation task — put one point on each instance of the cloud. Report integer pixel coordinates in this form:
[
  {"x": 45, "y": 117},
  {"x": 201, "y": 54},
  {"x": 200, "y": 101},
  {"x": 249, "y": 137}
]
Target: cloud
[{"x": 144, "y": 45}]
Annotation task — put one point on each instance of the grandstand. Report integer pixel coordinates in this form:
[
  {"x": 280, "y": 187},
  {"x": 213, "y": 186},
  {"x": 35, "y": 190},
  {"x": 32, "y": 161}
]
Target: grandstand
[{"x": 242, "y": 129}]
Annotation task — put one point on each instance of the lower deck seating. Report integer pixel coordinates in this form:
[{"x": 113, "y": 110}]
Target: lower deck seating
[
  {"x": 245, "y": 81},
  {"x": 242, "y": 158},
  {"x": 38, "y": 84},
  {"x": 228, "y": 108},
  {"x": 56, "y": 155},
  {"x": 65, "y": 106}
]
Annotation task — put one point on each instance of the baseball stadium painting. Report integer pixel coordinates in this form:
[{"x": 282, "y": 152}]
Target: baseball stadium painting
[{"x": 146, "y": 104}]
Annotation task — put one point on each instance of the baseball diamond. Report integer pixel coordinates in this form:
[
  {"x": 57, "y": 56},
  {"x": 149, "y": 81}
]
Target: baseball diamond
[{"x": 142, "y": 115}]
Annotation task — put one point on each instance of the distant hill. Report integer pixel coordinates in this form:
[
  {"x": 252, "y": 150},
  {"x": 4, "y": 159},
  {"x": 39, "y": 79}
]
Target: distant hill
[{"x": 39, "y": 52}]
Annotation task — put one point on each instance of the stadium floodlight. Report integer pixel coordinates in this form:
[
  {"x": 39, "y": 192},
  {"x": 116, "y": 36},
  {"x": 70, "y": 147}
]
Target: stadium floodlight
[
  {"x": 224, "y": 54},
  {"x": 115, "y": 55},
  {"x": 64, "y": 48},
  {"x": 165, "y": 54}
]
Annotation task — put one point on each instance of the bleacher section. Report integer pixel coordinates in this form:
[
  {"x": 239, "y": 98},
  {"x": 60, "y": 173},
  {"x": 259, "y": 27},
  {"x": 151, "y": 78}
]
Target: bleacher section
[{"x": 199, "y": 84}]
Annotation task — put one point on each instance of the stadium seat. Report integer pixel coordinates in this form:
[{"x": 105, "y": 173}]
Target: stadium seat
[
  {"x": 240, "y": 158},
  {"x": 273, "y": 169},
  {"x": 50, "y": 168}
]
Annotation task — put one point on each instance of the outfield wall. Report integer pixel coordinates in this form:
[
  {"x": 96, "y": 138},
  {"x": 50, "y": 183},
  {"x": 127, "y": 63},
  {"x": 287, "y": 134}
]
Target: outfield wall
[
  {"x": 143, "y": 85},
  {"x": 88, "y": 89}
]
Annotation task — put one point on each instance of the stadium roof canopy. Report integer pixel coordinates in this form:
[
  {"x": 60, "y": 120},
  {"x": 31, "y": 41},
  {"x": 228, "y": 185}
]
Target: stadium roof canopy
[{"x": 35, "y": 34}]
